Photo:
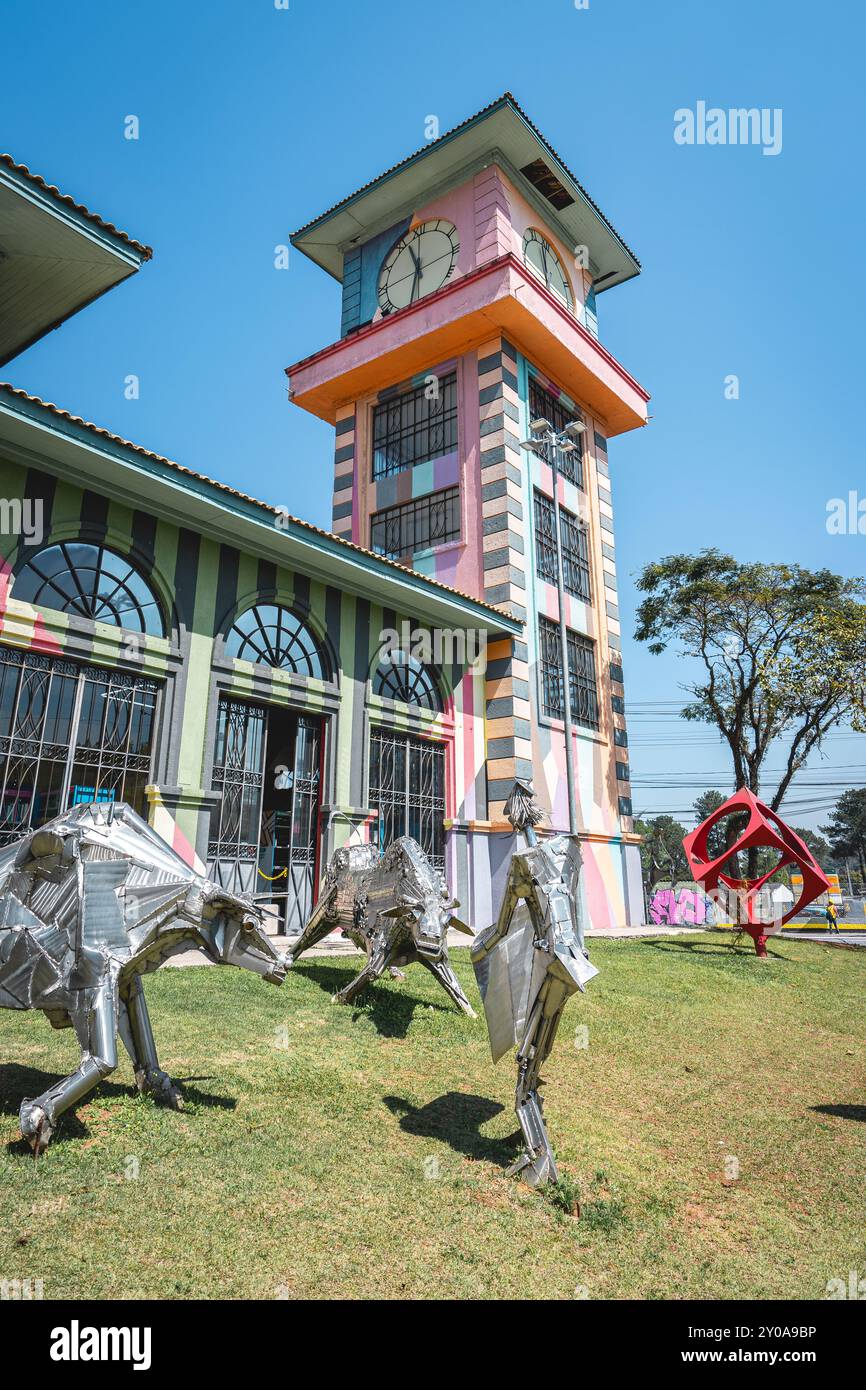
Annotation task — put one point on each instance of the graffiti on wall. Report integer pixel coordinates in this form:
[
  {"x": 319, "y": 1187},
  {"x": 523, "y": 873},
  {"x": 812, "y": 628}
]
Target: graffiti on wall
[{"x": 681, "y": 905}]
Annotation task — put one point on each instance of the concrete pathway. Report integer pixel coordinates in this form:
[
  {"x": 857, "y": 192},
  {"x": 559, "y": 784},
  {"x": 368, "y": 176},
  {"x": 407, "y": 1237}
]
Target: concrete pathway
[{"x": 842, "y": 938}]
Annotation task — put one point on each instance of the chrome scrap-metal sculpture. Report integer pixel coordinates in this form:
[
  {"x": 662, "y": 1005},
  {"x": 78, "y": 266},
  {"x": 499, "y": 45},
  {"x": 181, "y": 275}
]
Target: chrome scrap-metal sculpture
[
  {"x": 88, "y": 904},
  {"x": 528, "y": 964},
  {"x": 395, "y": 907}
]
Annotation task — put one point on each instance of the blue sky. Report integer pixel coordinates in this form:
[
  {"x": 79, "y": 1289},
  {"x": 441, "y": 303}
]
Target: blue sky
[{"x": 254, "y": 119}]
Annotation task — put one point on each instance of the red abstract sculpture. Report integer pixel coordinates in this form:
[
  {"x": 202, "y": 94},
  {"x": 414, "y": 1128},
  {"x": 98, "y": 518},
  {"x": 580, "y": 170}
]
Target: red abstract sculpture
[{"x": 764, "y": 830}]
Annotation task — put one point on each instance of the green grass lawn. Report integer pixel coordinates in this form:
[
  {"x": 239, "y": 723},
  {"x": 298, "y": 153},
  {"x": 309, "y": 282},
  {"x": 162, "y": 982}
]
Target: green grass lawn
[{"x": 347, "y": 1152}]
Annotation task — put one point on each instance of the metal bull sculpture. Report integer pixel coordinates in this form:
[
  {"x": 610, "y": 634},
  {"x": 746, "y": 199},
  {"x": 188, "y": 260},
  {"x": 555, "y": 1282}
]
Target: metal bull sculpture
[
  {"x": 88, "y": 904},
  {"x": 528, "y": 964},
  {"x": 394, "y": 907}
]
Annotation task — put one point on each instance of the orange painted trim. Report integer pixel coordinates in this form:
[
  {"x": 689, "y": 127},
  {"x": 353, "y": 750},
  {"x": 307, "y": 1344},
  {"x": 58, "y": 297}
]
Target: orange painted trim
[{"x": 501, "y": 295}]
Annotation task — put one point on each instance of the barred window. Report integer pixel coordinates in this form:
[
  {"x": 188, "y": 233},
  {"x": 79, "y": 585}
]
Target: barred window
[
  {"x": 414, "y": 427},
  {"x": 581, "y": 671},
  {"x": 91, "y": 581},
  {"x": 70, "y": 734},
  {"x": 544, "y": 403},
  {"x": 401, "y": 676},
  {"x": 575, "y": 547},
  {"x": 417, "y": 525},
  {"x": 274, "y": 636},
  {"x": 407, "y": 786}
]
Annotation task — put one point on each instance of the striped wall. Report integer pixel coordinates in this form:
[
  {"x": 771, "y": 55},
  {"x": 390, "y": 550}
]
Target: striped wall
[
  {"x": 202, "y": 586},
  {"x": 345, "y": 523},
  {"x": 495, "y": 556},
  {"x": 503, "y": 577},
  {"x": 495, "y": 560},
  {"x": 598, "y": 619},
  {"x": 610, "y": 884}
]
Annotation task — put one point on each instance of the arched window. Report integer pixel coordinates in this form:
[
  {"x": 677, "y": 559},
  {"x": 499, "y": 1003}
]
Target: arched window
[
  {"x": 403, "y": 677},
  {"x": 91, "y": 582},
  {"x": 274, "y": 636},
  {"x": 540, "y": 256}
]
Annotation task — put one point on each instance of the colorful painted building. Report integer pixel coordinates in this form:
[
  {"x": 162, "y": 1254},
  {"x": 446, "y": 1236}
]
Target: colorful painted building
[
  {"x": 471, "y": 274},
  {"x": 263, "y": 689}
]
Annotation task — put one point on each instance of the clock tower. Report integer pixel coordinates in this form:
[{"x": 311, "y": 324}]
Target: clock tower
[{"x": 471, "y": 275}]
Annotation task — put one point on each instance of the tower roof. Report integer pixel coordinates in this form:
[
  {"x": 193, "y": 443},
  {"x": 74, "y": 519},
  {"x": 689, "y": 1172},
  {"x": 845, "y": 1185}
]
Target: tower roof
[{"x": 501, "y": 132}]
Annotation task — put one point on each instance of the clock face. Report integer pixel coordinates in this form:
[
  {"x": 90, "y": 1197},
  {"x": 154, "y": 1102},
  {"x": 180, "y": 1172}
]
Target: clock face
[
  {"x": 420, "y": 263},
  {"x": 540, "y": 256}
]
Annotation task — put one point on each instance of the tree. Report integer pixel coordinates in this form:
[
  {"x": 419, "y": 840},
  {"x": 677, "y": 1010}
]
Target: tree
[
  {"x": 704, "y": 806},
  {"x": 847, "y": 828},
  {"x": 661, "y": 851},
  {"x": 783, "y": 651},
  {"x": 818, "y": 846}
]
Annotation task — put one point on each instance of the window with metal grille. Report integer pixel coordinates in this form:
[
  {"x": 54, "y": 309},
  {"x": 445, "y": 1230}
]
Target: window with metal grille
[
  {"x": 93, "y": 582},
  {"x": 275, "y": 636},
  {"x": 417, "y": 525},
  {"x": 575, "y": 547},
  {"x": 264, "y": 824},
  {"x": 407, "y": 786},
  {"x": 401, "y": 676},
  {"x": 544, "y": 404},
  {"x": 415, "y": 426},
  {"x": 583, "y": 685},
  {"x": 238, "y": 776},
  {"x": 70, "y": 734}
]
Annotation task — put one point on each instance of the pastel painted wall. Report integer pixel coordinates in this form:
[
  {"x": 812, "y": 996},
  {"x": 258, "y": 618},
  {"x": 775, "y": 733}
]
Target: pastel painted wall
[
  {"x": 495, "y": 560},
  {"x": 495, "y": 557},
  {"x": 202, "y": 587},
  {"x": 491, "y": 217},
  {"x": 358, "y": 496},
  {"x": 522, "y": 217}
]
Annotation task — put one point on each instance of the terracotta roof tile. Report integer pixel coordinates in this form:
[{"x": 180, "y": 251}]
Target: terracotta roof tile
[
  {"x": 59, "y": 197},
  {"x": 245, "y": 497}
]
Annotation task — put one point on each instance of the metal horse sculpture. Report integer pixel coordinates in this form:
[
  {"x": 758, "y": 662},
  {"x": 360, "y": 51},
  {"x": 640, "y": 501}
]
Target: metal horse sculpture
[
  {"x": 395, "y": 908},
  {"x": 88, "y": 904},
  {"x": 528, "y": 964}
]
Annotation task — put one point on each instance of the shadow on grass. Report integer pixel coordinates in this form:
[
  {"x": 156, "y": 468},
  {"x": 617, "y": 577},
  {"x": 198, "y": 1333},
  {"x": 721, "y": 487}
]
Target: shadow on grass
[
  {"x": 456, "y": 1119},
  {"x": 715, "y": 950},
  {"x": 844, "y": 1112},
  {"x": 389, "y": 1010},
  {"x": 19, "y": 1083}
]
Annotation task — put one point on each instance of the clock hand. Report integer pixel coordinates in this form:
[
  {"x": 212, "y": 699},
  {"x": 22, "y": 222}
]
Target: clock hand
[{"x": 416, "y": 278}]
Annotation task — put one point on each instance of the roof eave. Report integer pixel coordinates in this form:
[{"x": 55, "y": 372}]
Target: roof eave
[
  {"x": 16, "y": 351},
  {"x": 75, "y": 214},
  {"x": 302, "y": 239},
  {"x": 57, "y": 259},
  {"x": 189, "y": 499}
]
